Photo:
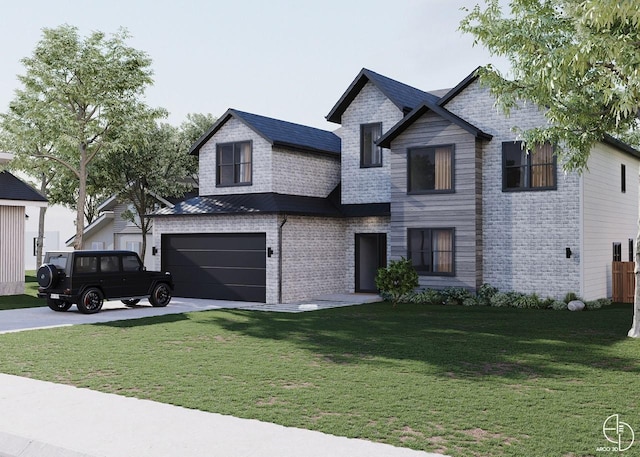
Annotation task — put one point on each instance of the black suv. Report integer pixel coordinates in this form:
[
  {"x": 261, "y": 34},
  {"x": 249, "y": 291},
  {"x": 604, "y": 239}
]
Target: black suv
[{"x": 86, "y": 278}]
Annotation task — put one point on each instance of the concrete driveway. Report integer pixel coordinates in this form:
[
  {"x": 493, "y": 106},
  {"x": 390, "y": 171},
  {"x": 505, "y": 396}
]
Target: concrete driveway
[{"x": 18, "y": 320}]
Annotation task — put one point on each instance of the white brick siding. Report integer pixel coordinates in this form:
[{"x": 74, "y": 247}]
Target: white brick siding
[
  {"x": 273, "y": 170},
  {"x": 304, "y": 173},
  {"x": 314, "y": 258},
  {"x": 366, "y": 185},
  {"x": 235, "y": 130},
  {"x": 524, "y": 233}
]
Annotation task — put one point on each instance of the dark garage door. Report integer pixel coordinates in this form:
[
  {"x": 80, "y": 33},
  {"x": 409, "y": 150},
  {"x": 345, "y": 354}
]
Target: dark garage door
[{"x": 224, "y": 266}]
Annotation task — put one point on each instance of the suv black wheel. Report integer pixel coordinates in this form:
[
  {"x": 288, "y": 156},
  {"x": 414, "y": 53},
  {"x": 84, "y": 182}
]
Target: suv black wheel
[
  {"x": 58, "y": 305},
  {"x": 47, "y": 276},
  {"x": 161, "y": 295},
  {"x": 90, "y": 301}
]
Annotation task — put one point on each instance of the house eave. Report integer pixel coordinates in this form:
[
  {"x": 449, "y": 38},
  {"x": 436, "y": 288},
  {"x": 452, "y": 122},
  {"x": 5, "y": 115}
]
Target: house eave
[{"x": 37, "y": 204}]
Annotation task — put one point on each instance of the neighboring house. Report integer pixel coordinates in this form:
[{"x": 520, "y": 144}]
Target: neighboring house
[
  {"x": 15, "y": 195},
  {"x": 110, "y": 230},
  {"x": 287, "y": 212}
]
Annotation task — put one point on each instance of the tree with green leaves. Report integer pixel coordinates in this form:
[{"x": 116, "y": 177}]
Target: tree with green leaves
[
  {"x": 76, "y": 95},
  {"x": 580, "y": 59},
  {"x": 151, "y": 165}
]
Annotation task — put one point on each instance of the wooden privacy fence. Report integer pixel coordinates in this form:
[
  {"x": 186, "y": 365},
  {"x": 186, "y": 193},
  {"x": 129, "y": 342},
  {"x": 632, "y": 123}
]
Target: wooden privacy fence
[{"x": 623, "y": 282}]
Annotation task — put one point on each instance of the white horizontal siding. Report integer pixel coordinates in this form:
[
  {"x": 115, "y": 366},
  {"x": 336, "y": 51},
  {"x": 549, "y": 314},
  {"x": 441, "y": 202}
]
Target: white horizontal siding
[{"x": 609, "y": 216}]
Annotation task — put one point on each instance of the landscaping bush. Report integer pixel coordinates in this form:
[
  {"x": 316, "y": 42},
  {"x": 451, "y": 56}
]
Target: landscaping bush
[
  {"x": 488, "y": 295},
  {"x": 397, "y": 280}
]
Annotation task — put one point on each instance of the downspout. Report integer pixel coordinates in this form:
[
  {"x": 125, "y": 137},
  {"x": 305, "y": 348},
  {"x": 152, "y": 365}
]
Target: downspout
[{"x": 280, "y": 260}]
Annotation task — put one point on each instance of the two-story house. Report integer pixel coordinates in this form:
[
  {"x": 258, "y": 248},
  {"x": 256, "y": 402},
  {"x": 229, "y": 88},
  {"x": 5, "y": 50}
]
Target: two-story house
[{"x": 288, "y": 212}]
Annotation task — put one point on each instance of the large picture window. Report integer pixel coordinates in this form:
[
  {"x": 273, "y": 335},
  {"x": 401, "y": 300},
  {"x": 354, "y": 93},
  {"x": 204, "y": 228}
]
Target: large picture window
[
  {"x": 370, "y": 153},
  {"x": 528, "y": 170},
  {"x": 432, "y": 251},
  {"x": 233, "y": 164},
  {"x": 430, "y": 169}
]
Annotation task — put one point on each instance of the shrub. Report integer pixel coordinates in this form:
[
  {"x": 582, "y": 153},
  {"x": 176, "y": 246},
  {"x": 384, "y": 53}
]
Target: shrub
[
  {"x": 501, "y": 299},
  {"x": 558, "y": 305},
  {"x": 485, "y": 293},
  {"x": 597, "y": 304},
  {"x": 456, "y": 296},
  {"x": 397, "y": 280},
  {"x": 571, "y": 296},
  {"x": 427, "y": 297}
]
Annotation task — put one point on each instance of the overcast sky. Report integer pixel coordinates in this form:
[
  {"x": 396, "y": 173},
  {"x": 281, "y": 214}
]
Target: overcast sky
[{"x": 288, "y": 59}]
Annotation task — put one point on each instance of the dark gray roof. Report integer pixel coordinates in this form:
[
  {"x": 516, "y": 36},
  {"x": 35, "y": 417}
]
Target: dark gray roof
[
  {"x": 255, "y": 203},
  {"x": 405, "y": 97},
  {"x": 385, "y": 140},
  {"x": 11, "y": 188},
  {"x": 279, "y": 133}
]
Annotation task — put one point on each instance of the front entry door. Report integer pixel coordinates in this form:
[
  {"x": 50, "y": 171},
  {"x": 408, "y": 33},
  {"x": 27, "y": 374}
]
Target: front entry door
[{"x": 371, "y": 254}]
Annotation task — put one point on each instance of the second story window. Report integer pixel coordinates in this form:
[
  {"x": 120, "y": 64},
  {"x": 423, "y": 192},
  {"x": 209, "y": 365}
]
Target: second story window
[
  {"x": 528, "y": 170},
  {"x": 370, "y": 153},
  {"x": 233, "y": 164},
  {"x": 430, "y": 169}
]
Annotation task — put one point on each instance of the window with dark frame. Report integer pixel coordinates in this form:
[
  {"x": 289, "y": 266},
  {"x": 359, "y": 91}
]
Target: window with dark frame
[
  {"x": 370, "y": 152},
  {"x": 431, "y": 251},
  {"x": 233, "y": 164},
  {"x": 617, "y": 252},
  {"x": 528, "y": 170},
  {"x": 631, "y": 259},
  {"x": 430, "y": 169},
  {"x": 623, "y": 178}
]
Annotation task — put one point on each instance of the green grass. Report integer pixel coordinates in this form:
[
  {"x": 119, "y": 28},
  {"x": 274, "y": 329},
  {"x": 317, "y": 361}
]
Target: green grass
[
  {"x": 462, "y": 381},
  {"x": 30, "y": 297}
]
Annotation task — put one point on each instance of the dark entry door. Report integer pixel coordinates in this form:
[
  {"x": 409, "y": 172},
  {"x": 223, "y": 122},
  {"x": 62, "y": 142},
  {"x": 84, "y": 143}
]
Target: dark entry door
[
  {"x": 371, "y": 254},
  {"x": 223, "y": 266}
]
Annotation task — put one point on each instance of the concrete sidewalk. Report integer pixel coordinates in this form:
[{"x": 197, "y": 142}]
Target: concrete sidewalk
[{"x": 42, "y": 419}]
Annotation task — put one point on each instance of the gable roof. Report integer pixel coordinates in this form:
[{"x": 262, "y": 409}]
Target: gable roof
[
  {"x": 279, "y": 133},
  {"x": 386, "y": 139},
  {"x": 12, "y": 188},
  {"x": 402, "y": 95},
  {"x": 462, "y": 85}
]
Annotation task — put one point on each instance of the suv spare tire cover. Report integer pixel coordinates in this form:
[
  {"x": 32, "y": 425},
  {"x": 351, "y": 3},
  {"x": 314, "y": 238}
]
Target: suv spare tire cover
[{"x": 47, "y": 275}]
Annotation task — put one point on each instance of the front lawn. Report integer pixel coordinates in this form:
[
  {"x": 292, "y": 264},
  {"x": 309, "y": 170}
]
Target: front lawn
[
  {"x": 28, "y": 300},
  {"x": 465, "y": 381}
]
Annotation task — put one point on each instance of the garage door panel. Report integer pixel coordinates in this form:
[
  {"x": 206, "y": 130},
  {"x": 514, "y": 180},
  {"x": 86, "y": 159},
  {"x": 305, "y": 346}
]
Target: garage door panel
[
  {"x": 217, "y": 258},
  {"x": 227, "y": 292},
  {"x": 225, "y": 266},
  {"x": 208, "y": 275},
  {"x": 222, "y": 241}
]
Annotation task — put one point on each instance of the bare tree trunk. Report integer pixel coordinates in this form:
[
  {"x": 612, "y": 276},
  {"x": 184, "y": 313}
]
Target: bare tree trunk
[
  {"x": 635, "y": 328},
  {"x": 82, "y": 197},
  {"x": 43, "y": 211}
]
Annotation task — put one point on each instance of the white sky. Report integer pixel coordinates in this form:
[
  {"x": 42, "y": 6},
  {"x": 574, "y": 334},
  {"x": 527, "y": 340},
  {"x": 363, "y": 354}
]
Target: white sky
[{"x": 288, "y": 59}]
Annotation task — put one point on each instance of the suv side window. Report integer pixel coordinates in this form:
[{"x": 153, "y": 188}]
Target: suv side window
[
  {"x": 109, "y": 264},
  {"x": 131, "y": 263},
  {"x": 85, "y": 264}
]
